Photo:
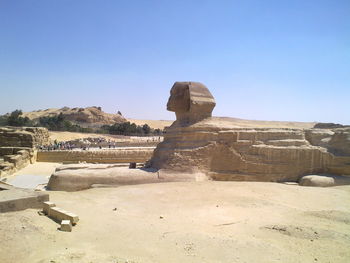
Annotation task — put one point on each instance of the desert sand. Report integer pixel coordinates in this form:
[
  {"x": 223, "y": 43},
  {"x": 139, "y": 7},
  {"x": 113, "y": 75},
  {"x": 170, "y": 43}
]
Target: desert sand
[
  {"x": 185, "y": 222},
  {"x": 235, "y": 122},
  {"x": 155, "y": 124}
]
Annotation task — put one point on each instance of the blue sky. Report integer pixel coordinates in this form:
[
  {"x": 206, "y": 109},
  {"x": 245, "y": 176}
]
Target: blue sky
[{"x": 265, "y": 60}]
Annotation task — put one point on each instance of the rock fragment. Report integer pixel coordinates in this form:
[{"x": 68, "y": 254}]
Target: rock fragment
[{"x": 66, "y": 226}]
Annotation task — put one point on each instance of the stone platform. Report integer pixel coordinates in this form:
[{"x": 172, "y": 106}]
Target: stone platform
[
  {"x": 15, "y": 199},
  {"x": 77, "y": 177}
]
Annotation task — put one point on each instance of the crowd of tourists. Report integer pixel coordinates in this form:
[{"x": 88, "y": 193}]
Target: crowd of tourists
[{"x": 97, "y": 143}]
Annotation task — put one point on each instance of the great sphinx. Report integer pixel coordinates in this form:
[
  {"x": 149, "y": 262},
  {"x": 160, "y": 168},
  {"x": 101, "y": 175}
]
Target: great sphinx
[{"x": 198, "y": 142}]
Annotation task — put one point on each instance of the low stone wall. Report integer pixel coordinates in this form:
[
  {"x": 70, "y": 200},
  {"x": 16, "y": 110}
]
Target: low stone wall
[{"x": 121, "y": 155}]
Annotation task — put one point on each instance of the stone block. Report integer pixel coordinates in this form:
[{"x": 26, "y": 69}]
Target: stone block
[
  {"x": 66, "y": 226},
  {"x": 47, "y": 206},
  {"x": 316, "y": 180},
  {"x": 59, "y": 214}
]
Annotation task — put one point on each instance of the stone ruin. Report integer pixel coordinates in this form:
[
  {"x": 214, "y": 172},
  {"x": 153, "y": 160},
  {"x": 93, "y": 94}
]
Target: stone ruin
[
  {"x": 198, "y": 142},
  {"x": 18, "y": 147},
  {"x": 198, "y": 146}
]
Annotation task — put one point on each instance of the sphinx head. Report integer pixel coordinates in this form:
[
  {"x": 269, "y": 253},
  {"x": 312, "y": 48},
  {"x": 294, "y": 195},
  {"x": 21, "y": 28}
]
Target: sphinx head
[{"x": 191, "y": 102}]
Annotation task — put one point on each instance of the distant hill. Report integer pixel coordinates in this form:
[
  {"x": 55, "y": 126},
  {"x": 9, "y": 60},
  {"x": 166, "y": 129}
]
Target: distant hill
[{"x": 90, "y": 117}]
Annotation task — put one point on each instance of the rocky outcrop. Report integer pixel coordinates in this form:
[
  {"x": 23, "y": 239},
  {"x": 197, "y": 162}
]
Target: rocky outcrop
[
  {"x": 323, "y": 180},
  {"x": 85, "y": 117},
  {"x": 225, "y": 152},
  {"x": 329, "y": 125}
]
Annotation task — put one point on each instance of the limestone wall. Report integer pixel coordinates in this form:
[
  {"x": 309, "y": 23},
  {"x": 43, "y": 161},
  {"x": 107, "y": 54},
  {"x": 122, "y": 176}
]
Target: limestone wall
[
  {"x": 15, "y": 158},
  {"x": 121, "y": 155},
  {"x": 23, "y": 136},
  {"x": 17, "y": 147}
]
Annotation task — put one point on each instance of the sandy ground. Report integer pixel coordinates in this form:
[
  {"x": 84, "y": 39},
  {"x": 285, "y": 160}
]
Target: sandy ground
[
  {"x": 236, "y": 122},
  {"x": 185, "y": 222},
  {"x": 155, "y": 124}
]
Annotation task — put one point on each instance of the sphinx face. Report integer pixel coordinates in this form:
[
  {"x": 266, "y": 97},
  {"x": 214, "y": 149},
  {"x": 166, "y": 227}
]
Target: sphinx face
[{"x": 179, "y": 100}]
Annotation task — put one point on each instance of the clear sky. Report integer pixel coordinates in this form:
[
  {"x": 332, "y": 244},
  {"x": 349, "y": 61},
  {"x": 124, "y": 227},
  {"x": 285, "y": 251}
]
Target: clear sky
[{"x": 261, "y": 59}]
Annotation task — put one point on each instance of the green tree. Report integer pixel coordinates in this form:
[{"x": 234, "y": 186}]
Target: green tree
[
  {"x": 15, "y": 119},
  {"x": 146, "y": 129},
  {"x": 3, "y": 120}
]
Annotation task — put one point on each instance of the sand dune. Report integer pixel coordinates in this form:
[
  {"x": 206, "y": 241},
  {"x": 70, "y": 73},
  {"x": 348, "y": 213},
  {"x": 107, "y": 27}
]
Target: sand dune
[{"x": 155, "y": 124}]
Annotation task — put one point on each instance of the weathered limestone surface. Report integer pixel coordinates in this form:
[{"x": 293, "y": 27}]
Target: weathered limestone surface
[
  {"x": 191, "y": 102},
  {"x": 75, "y": 177},
  {"x": 15, "y": 199},
  {"x": 323, "y": 180},
  {"x": 66, "y": 226},
  {"x": 17, "y": 147},
  {"x": 225, "y": 152},
  {"x": 15, "y": 158},
  {"x": 23, "y": 136},
  {"x": 118, "y": 155},
  {"x": 47, "y": 206},
  {"x": 58, "y": 214}
]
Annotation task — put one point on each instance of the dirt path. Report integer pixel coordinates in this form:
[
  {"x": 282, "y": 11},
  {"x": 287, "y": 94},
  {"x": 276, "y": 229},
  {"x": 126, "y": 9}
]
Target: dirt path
[{"x": 187, "y": 222}]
